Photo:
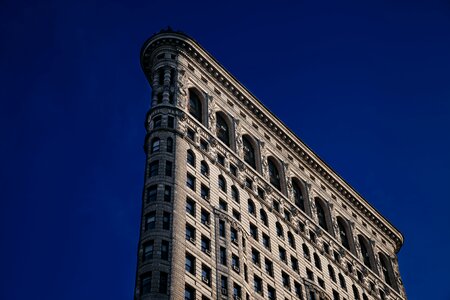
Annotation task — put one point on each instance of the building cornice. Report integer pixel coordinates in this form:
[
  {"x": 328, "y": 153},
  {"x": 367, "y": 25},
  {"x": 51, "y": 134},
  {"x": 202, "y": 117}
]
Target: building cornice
[{"x": 191, "y": 49}]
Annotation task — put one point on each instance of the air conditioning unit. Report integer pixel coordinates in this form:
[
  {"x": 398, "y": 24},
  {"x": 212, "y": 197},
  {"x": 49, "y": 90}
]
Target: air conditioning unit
[
  {"x": 207, "y": 251},
  {"x": 207, "y": 223},
  {"x": 205, "y": 279},
  {"x": 192, "y": 240},
  {"x": 224, "y": 291},
  {"x": 236, "y": 297},
  {"x": 233, "y": 240},
  {"x": 236, "y": 268}
]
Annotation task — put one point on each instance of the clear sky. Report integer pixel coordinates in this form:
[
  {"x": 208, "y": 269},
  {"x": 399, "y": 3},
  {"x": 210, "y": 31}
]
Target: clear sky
[{"x": 365, "y": 84}]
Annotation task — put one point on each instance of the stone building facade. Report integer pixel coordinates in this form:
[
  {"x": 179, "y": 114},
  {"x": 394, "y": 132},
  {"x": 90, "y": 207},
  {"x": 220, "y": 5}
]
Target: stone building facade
[{"x": 235, "y": 206}]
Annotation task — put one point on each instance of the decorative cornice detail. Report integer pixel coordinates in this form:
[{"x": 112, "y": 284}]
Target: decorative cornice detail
[{"x": 194, "y": 51}]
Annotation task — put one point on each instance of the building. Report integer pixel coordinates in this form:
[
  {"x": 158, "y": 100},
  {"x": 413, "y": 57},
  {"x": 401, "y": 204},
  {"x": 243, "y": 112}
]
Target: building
[{"x": 236, "y": 206}]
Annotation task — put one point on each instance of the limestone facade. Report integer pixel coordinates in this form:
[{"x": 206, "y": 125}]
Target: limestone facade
[{"x": 236, "y": 206}]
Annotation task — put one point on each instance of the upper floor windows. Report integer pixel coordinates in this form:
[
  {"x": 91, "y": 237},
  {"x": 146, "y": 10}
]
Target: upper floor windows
[
  {"x": 204, "y": 169},
  {"x": 195, "y": 105},
  {"x": 274, "y": 174},
  {"x": 280, "y": 231},
  {"x": 363, "y": 243},
  {"x": 263, "y": 216},
  {"x": 251, "y": 207},
  {"x": 298, "y": 195},
  {"x": 156, "y": 143},
  {"x": 321, "y": 216},
  {"x": 235, "y": 194},
  {"x": 249, "y": 152},
  {"x": 169, "y": 145},
  {"x": 190, "y": 158},
  {"x": 222, "y": 129},
  {"x": 157, "y": 122},
  {"x": 343, "y": 234},
  {"x": 386, "y": 269},
  {"x": 222, "y": 183}
]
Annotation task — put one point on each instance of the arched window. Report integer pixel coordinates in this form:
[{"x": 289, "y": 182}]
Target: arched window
[
  {"x": 204, "y": 169},
  {"x": 222, "y": 183},
  {"x": 321, "y": 214},
  {"x": 263, "y": 216},
  {"x": 365, "y": 297},
  {"x": 274, "y": 174},
  {"x": 386, "y": 269},
  {"x": 317, "y": 261},
  {"x": 343, "y": 233},
  {"x": 156, "y": 143},
  {"x": 249, "y": 152},
  {"x": 169, "y": 145},
  {"x": 235, "y": 193},
  {"x": 382, "y": 295},
  {"x": 190, "y": 158},
  {"x": 222, "y": 129},
  {"x": 291, "y": 239},
  {"x": 342, "y": 282},
  {"x": 306, "y": 252},
  {"x": 298, "y": 195},
  {"x": 365, "y": 251},
  {"x": 279, "y": 228},
  {"x": 195, "y": 105},
  {"x": 331, "y": 273},
  {"x": 355, "y": 293},
  {"x": 251, "y": 207},
  {"x": 157, "y": 122}
]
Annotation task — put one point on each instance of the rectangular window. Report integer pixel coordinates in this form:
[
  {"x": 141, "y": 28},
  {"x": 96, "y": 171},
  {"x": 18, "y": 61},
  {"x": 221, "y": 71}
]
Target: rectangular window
[
  {"x": 294, "y": 263},
  {"x": 150, "y": 220},
  {"x": 190, "y": 181},
  {"x": 233, "y": 170},
  {"x": 146, "y": 283},
  {"x": 282, "y": 252},
  {"x": 222, "y": 228},
  {"x": 152, "y": 193},
  {"x": 206, "y": 274},
  {"x": 204, "y": 192},
  {"x": 256, "y": 257},
  {"x": 169, "y": 168},
  {"x": 223, "y": 256},
  {"x": 191, "y": 134},
  {"x": 261, "y": 193},
  {"x": 268, "y": 267},
  {"x": 249, "y": 183},
  {"x": 167, "y": 193},
  {"x": 237, "y": 291},
  {"x": 148, "y": 250},
  {"x": 206, "y": 245},
  {"x": 224, "y": 284},
  {"x": 223, "y": 205},
  {"x": 190, "y": 233},
  {"x": 271, "y": 293},
  {"x": 163, "y": 281},
  {"x": 165, "y": 250},
  {"x": 309, "y": 274},
  {"x": 189, "y": 292},
  {"x": 254, "y": 231},
  {"x": 166, "y": 220},
  {"x": 235, "y": 262},
  {"x": 234, "y": 235},
  {"x": 190, "y": 206},
  {"x": 285, "y": 279},
  {"x": 298, "y": 289},
  {"x": 236, "y": 215},
  {"x": 266, "y": 241},
  {"x": 204, "y": 145},
  {"x": 190, "y": 263},
  {"x": 221, "y": 159},
  {"x": 205, "y": 217},
  {"x": 153, "y": 168},
  {"x": 257, "y": 284},
  {"x": 170, "y": 122}
]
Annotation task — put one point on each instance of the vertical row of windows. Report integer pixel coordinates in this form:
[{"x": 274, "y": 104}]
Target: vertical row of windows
[
  {"x": 153, "y": 168},
  {"x": 146, "y": 283}
]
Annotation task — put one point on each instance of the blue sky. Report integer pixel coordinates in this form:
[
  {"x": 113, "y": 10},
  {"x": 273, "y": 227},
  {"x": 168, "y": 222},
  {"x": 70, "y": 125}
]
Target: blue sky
[{"x": 365, "y": 84}]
